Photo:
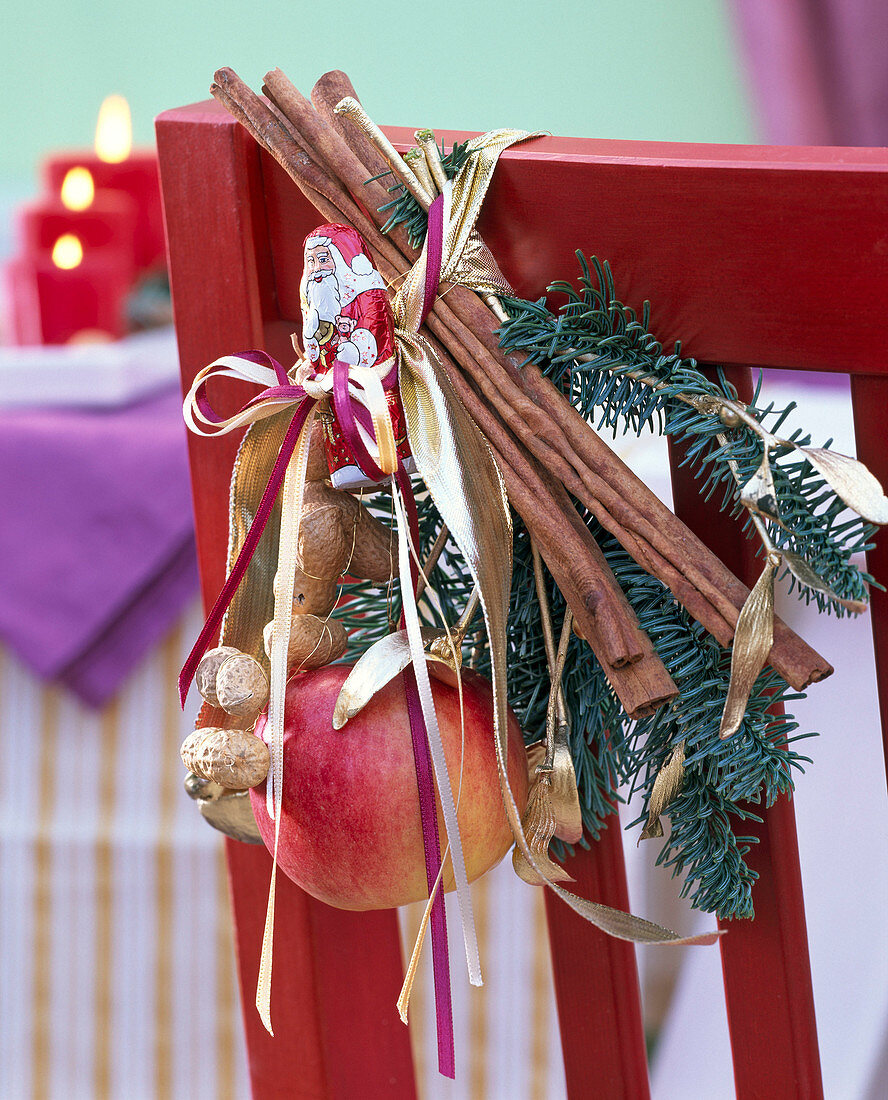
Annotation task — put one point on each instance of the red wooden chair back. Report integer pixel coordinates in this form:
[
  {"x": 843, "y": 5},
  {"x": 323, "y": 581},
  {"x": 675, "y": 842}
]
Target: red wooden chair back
[{"x": 762, "y": 255}]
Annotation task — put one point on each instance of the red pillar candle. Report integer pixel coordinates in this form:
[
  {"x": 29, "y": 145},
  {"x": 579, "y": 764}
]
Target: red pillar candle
[
  {"x": 106, "y": 205},
  {"x": 52, "y": 304},
  {"x": 76, "y": 265},
  {"x": 114, "y": 167},
  {"x": 108, "y": 221},
  {"x": 136, "y": 177}
]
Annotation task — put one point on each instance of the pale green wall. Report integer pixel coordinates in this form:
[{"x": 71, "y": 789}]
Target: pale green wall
[{"x": 612, "y": 68}]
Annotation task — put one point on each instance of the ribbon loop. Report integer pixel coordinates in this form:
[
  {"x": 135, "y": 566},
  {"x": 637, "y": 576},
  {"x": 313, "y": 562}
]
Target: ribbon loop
[{"x": 360, "y": 403}]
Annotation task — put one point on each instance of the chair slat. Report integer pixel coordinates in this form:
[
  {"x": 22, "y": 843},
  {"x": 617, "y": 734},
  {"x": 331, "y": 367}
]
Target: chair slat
[
  {"x": 767, "y": 974},
  {"x": 869, "y": 400},
  {"x": 596, "y": 982},
  {"x": 328, "y": 1040}
]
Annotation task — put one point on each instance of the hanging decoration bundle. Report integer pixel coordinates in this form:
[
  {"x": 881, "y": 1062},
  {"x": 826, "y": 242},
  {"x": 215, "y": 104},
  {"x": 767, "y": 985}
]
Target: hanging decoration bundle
[{"x": 438, "y": 449}]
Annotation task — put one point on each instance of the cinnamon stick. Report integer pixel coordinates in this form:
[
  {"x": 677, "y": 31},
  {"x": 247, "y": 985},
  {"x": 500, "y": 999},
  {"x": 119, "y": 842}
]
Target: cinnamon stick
[
  {"x": 330, "y": 90},
  {"x": 315, "y": 182},
  {"x": 797, "y": 662},
  {"x": 333, "y": 152},
  {"x": 559, "y": 438},
  {"x": 601, "y": 608},
  {"x": 543, "y": 418},
  {"x": 604, "y": 615},
  {"x": 642, "y": 686},
  {"x": 568, "y": 549}
]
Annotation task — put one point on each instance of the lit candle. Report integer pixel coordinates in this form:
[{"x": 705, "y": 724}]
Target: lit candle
[
  {"x": 83, "y": 245},
  {"x": 114, "y": 166},
  {"x": 72, "y": 292},
  {"x": 99, "y": 218}
]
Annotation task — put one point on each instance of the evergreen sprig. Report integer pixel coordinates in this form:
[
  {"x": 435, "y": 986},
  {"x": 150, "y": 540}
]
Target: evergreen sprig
[
  {"x": 369, "y": 613},
  {"x": 722, "y": 777},
  {"x": 405, "y": 210},
  {"x": 617, "y": 374},
  {"x": 628, "y": 380}
]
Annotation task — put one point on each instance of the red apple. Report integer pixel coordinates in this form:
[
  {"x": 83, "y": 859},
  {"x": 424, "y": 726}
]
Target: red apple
[{"x": 350, "y": 832}]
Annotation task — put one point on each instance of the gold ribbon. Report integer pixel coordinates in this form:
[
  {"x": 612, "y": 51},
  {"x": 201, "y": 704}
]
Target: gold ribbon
[
  {"x": 465, "y": 259},
  {"x": 248, "y": 613},
  {"x": 467, "y": 488}
]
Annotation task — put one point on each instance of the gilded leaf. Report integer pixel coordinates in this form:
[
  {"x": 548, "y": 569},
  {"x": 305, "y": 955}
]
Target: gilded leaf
[
  {"x": 374, "y": 669},
  {"x": 667, "y": 786},
  {"x": 851, "y": 481},
  {"x": 803, "y": 572},
  {"x": 538, "y": 824},
  {"x": 759, "y": 494},
  {"x": 563, "y": 795},
  {"x": 752, "y": 644}
]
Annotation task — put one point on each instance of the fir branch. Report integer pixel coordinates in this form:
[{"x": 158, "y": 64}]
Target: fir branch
[
  {"x": 626, "y": 378},
  {"x": 722, "y": 777},
  {"x": 405, "y": 210},
  {"x": 370, "y": 612},
  {"x": 617, "y": 374}
]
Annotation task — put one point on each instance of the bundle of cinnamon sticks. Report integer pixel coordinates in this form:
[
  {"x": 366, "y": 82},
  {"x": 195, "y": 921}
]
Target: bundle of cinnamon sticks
[{"x": 547, "y": 453}]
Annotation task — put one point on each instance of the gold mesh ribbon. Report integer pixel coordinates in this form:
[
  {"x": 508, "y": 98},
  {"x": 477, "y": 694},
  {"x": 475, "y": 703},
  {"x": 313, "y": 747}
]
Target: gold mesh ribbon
[
  {"x": 465, "y": 258},
  {"x": 251, "y": 604}
]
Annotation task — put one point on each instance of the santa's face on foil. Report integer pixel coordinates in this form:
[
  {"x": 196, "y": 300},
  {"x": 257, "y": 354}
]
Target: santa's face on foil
[
  {"x": 321, "y": 287},
  {"x": 337, "y": 270},
  {"x": 346, "y": 318}
]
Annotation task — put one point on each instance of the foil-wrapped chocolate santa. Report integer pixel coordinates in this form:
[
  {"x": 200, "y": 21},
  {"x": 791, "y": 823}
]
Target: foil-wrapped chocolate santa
[{"x": 347, "y": 317}]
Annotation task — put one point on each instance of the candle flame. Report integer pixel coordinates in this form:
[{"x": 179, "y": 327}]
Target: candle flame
[
  {"x": 78, "y": 189},
  {"x": 67, "y": 252},
  {"x": 114, "y": 130}
]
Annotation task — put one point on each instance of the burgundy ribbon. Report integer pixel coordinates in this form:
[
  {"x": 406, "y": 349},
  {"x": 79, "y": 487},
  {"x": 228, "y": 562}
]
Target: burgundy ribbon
[
  {"x": 418, "y": 732},
  {"x": 428, "y": 813},
  {"x": 434, "y": 252},
  {"x": 289, "y": 392},
  {"x": 346, "y": 415},
  {"x": 349, "y": 414}
]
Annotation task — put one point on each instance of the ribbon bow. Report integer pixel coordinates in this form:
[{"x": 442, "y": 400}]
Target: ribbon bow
[
  {"x": 362, "y": 410},
  {"x": 360, "y": 404}
]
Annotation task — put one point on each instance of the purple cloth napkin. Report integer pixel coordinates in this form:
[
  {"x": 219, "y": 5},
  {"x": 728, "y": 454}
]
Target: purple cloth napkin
[{"x": 96, "y": 538}]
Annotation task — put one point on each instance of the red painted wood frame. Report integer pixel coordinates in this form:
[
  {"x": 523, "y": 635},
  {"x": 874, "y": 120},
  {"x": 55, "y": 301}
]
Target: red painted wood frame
[{"x": 757, "y": 256}]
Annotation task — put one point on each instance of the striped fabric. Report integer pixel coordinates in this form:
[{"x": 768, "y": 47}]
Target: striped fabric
[
  {"x": 506, "y": 1032},
  {"x": 116, "y": 964}
]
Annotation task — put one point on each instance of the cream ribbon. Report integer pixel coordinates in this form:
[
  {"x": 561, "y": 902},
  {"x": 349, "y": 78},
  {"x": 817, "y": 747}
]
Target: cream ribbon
[
  {"x": 291, "y": 509},
  {"x": 436, "y": 747},
  {"x": 365, "y": 387}
]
